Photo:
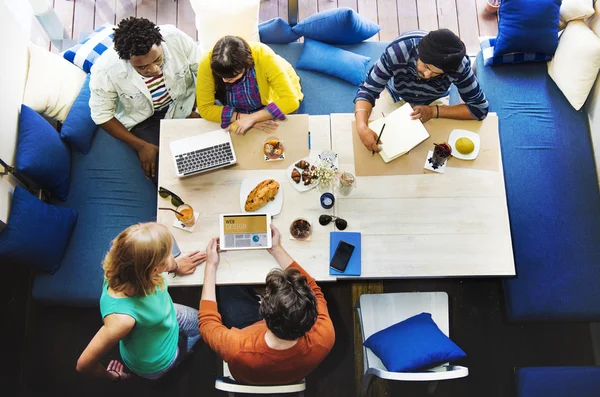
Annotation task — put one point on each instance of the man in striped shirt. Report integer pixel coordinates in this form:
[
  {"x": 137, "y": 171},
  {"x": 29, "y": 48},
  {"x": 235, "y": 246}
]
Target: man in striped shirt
[{"x": 418, "y": 68}]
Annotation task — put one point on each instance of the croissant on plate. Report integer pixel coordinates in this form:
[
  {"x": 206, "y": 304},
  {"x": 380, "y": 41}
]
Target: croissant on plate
[
  {"x": 296, "y": 176},
  {"x": 302, "y": 164},
  {"x": 261, "y": 195}
]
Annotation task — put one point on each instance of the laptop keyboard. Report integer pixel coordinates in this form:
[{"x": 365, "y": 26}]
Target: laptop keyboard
[{"x": 204, "y": 159}]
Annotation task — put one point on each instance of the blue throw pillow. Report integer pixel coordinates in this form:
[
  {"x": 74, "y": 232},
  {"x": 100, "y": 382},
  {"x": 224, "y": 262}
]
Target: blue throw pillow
[
  {"x": 276, "y": 31},
  {"x": 337, "y": 26},
  {"x": 321, "y": 57},
  {"x": 42, "y": 155},
  {"x": 528, "y": 26},
  {"x": 85, "y": 53},
  {"x": 36, "y": 234},
  {"x": 487, "y": 50},
  {"x": 413, "y": 344},
  {"x": 79, "y": 128}
]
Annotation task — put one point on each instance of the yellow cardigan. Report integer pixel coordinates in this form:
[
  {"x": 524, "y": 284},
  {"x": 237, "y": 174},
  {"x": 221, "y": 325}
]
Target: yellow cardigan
[{"x": 277, "y": 82}]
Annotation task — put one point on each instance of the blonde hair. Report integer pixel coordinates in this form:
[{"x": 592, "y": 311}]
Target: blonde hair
[{"x": 133, "y": 257}]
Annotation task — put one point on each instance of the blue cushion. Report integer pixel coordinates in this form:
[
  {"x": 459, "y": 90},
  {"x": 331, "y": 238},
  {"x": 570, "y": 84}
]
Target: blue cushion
[
  {"x": 558, "y": 382},
  {"x": 552, "y": 195},
  {"x": 36, "y": 234},
  {"x": 110, "y": 193},
  {"x": 78, "y": 128},
  {"x": 487, "y": 49},
  {"x": 413, "y": 344},
  {"x": 42, "y": 155},
  {"x": 276, "y": 31},
  {"x": 528, "y": 26},
  {"x": 321, "y": 57},
  {"x": 337, "y": 26},
  {"x": 85, "y": 53}
]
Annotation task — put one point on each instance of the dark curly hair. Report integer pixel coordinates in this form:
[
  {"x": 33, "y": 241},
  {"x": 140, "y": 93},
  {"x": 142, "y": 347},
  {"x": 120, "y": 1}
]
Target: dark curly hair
[
  {"x": 231, "y": 56},
  {"x": 289, "y": 306},
  {"x": 135, "y": 37}
]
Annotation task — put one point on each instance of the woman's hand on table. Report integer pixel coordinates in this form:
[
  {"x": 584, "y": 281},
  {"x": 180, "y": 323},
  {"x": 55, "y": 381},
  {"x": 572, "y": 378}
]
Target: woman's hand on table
[
  {"x": 242, "y": 125},
  {"x": 266, "y": 126},
  {"x": 187, "y": 264}
]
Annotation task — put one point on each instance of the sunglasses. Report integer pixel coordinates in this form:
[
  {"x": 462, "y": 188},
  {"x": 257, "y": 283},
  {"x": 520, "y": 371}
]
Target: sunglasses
[
  {"x": 175, "y": 199},
  {"x": 339, "y": 222}
]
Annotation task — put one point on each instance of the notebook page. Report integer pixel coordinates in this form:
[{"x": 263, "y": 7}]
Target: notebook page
[{"x": 401, "y": 134}]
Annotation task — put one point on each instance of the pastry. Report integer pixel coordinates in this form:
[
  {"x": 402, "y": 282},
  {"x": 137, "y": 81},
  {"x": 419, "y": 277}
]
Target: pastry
[
  {"x": 273, "y": 149},
  {"x": 261, "y": 195},
  {"x": 307, "y": 177},
  {"x": 302, "y": 164},
  {"x": 296, "y": 176}
]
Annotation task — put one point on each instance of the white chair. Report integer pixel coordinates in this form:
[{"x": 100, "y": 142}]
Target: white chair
[
  {"x": 228, "y": 384},
  {"x": 379, "y": 311}
]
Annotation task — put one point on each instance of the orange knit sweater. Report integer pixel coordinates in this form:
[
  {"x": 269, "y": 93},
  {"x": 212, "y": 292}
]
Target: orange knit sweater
[{"x": 249, "y": 358}]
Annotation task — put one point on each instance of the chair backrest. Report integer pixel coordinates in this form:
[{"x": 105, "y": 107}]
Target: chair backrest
[
  {"x": 379, "y": 311},
  {"x": 227, "y": 383}
]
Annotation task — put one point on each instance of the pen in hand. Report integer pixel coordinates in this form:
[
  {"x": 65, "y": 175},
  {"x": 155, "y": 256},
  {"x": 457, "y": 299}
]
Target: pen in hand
[{"x": 379, "y": 137}]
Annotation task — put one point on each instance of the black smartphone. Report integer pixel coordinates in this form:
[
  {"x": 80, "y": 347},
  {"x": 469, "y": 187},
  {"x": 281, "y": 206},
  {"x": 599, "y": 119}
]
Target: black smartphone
[{"x": 342, "y": 255}]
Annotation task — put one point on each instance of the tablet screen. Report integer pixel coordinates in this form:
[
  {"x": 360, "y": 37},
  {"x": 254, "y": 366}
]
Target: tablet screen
[{"x": 245, "y": 231}]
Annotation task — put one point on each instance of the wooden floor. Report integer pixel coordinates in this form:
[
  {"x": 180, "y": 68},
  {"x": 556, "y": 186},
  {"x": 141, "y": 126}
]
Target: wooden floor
[{"x": 467, "y": 18}]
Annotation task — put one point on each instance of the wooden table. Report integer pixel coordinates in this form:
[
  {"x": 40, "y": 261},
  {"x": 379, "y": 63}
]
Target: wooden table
[
  {"x": 218, "y": 192},
  {"x": 428, "y": 225}
]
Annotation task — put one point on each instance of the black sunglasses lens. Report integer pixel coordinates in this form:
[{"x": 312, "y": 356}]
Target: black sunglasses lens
[
  {"x": 324, "y": 220},
  {"x": 163, "y": 193},
  {"x": 176, "y": 201},
  {"x": 341, "y": 224}
]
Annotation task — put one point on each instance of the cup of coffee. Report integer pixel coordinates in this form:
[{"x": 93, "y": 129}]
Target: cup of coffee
[{"x": 187, "y": 217}]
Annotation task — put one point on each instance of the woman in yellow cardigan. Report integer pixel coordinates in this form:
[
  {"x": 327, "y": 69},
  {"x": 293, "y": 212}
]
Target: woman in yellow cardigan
[{"x": 253, "y": 86}]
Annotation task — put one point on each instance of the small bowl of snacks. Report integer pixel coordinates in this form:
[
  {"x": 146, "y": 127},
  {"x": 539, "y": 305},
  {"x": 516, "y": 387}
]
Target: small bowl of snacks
[
  {"x": 300, "y": 229},
  {"x": 273, "y": 149}
]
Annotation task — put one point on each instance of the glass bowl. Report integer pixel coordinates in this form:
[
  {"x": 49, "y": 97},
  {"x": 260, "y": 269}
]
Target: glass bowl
[{"x": 300, "y": 229}]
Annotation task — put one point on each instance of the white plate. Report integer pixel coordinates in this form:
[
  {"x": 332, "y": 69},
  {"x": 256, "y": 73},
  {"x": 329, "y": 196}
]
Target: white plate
[
  {"x": 272, "y": 207},
  {"x": 457, "y": 134},
  {"x": 300, "y": 186}
]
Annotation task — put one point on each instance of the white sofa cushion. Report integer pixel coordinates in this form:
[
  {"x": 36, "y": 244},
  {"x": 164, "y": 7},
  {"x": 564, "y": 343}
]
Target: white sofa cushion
[
  {"x": 53, "y": 83},
  {"x": 576, "y": 63},
  {"x": 576, "y": 9},
  {"x": 218, "y": 18}
]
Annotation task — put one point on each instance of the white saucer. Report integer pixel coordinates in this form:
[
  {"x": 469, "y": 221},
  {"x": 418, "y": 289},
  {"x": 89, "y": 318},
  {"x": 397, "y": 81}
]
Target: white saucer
[
  {"x": 456, "y": 135},
  {"x": 300, "y": 186},
  {"x": 272, "y": 207}
]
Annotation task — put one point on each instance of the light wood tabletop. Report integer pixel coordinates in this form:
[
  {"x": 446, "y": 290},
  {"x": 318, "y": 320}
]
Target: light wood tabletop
[
  {"x": 218, "y": 192},
  {"x": 427, "y": 225}
]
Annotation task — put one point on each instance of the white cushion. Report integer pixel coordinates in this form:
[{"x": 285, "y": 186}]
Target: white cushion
[
  {"x": 218, "y": 18},
  {"x": 52, "y": 83},
  {"x": 576, "y": 9},
  {"x": 576, "y": 63},
  {"x": 594, "y": 21}
]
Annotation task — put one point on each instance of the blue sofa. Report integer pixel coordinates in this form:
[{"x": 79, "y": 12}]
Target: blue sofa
[
  {"x": 558, "y": 382},
  {"x": 552, "y": 195}
]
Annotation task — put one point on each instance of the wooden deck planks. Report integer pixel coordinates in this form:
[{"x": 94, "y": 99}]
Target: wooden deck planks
[
  {"x": 387, "y": 14},
  {"x": 83, "y": 19},
  {"x": 125, "y": 9},
  {"x": 368, "y": 9},
  {"x": 186, "y": 18},
  {"x": 306, "y": 8},
  {"x": 488, "y": 23},
  {"x": 467, "y": 24},
  {"x": 324, "y": 5},
  {"x": 447, "y": 17},
  {"x": 147, "y": 9},
  {"x": 427, "y": 11},
  {"x": 269, "y": 9},
  {"x": 408, "y": 18},
  {"x": 166, "y": 12},
  {"x": 105, "y": 12},
  {"x": 348, "y": 4},
  {"x": 64, "y": 10}
]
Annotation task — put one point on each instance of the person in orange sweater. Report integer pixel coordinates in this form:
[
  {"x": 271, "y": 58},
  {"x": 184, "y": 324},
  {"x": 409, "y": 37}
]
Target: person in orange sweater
[{"x": 294, "y": 335}]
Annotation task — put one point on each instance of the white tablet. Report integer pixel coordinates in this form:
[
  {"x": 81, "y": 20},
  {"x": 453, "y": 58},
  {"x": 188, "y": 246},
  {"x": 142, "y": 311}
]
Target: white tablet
[{"x": 245, "y": 231}]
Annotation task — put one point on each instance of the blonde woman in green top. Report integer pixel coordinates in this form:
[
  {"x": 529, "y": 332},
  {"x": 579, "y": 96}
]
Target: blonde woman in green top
[{"x": 153, "y": 333}]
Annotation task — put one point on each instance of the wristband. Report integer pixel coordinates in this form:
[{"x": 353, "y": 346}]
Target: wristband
[{"x": 437, "y": 112}]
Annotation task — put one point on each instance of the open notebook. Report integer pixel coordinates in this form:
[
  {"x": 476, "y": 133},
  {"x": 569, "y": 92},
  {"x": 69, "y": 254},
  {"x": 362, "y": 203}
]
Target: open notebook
[{"x": 401, "y": 134}]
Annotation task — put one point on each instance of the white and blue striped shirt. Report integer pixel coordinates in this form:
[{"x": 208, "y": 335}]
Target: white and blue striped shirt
[{"x": 397, "y": 69}]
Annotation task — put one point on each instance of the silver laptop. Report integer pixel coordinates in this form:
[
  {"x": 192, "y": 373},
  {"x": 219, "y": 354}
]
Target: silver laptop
[{"x": 202, "y": 153}]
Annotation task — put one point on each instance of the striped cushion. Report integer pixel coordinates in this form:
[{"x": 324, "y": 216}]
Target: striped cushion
[
  {"x": 487, "y": 49},
  {"x": 85, "y": 53}
]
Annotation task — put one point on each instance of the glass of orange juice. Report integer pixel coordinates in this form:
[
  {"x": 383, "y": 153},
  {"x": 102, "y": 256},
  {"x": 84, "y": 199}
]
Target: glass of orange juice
[{"x": 187, "y": 215}]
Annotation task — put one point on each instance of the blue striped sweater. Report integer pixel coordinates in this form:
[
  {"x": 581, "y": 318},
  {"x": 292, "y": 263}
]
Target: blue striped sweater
[{"x": 397, "y": 69}]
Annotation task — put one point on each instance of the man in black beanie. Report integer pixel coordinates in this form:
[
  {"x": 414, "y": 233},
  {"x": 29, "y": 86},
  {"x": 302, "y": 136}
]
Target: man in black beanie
[{"x": 418, "y": 68}]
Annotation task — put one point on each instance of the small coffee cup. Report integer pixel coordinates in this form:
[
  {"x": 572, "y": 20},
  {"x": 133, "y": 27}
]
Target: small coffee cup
[{"x": 327, "y": 200}]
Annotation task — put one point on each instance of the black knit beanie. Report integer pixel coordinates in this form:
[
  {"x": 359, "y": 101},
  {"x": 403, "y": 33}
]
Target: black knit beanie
[{"x": 442, "y": 49}]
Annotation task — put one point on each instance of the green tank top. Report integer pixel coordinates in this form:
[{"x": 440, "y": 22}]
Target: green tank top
[{"x": 152, "y": 343}]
